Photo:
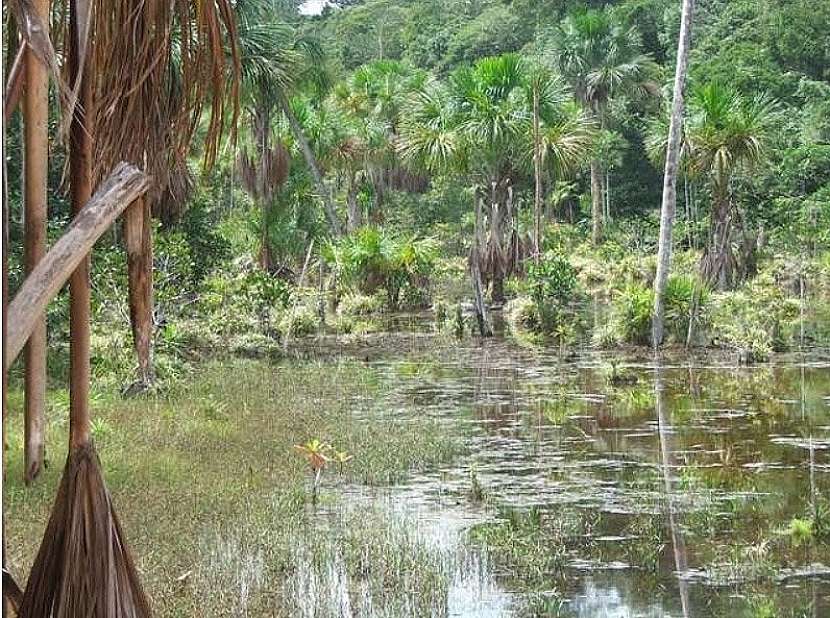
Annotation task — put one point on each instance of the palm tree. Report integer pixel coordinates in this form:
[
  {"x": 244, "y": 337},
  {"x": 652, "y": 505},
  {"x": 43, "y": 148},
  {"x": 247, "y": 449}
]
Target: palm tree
[
  {"x": 491, "y": 101},
  {"x": 139, "y": 77},
  {"x": 371, "y": 100},
  {"x": 725, "y": 132},
  {"x": 670, "y": 175},
  {"x": 432, "y": 139},
  {"x": 601, "y": 59},
  {"x": 275, "y": 62},
  {"x": 561, "y": 136}
]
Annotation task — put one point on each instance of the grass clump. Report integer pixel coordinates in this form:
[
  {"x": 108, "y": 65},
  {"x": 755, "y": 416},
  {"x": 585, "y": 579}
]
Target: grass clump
[{"x": 530, "y": 544}]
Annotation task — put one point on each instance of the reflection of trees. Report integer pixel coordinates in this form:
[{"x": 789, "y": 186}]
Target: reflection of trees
[{"x": 667, "y": 459}]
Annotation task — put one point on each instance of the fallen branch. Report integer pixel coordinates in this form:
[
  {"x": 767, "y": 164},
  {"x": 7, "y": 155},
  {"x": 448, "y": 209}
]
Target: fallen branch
[{"x": 114, "y": 194}]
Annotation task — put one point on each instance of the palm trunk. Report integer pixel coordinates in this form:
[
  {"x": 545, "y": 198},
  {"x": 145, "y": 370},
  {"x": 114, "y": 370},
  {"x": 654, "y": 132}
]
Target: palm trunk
[
  {"x": 596, "y": 202},
  {"x": 670, "y": 175},
  {"x": 264, "y": 191},
  {"x": 265, "y": 260},
  {"x": 717, "y": 266},
  {"x": 355, "y": 219},
  {"x": 607, "y": 213},
  {"x": 139, "y": 245},
  {"x": 537, "y": 178},
  {"x": 80, "y": 178},
  {"x": 313, "y": 165},
  {"x": 36, "y": 118},
  {"x": 484, "y": 327}
]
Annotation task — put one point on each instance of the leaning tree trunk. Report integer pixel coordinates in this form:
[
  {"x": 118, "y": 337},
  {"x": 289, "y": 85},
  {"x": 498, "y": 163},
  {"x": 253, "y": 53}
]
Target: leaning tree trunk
[
  {"x": 537, "y": 178},
  {"x": 313, "y": 165},
  {"x": 670, "y": 174},
  {"x": 36, "y": 119},
  {"x": 596, "y": 202},
  {"x": 139, "y": 245}
]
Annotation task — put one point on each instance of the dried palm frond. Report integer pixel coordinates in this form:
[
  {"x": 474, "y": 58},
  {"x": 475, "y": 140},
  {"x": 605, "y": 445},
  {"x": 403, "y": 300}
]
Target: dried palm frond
[
  {"x": 171, "y": 204},
  {"x": 262, "y": 177},
  {"x": 83, "y": 567},
  {"x": 153, "y": 66}
]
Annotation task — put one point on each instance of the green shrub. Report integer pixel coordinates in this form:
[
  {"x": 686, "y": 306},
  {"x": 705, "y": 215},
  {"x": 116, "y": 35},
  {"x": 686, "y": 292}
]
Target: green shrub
[
  {"x": 682, "y": 291},
  {"x": 522, "y": 314},
  {"x": 372, "y": 259},
  {"x": 631, "y": 314},
  {"x": 552, "y": 285},
  {"x": 756, "y": 319},
  {"x": 298, "y": 321},
  {"x": 356, "y": 303}
]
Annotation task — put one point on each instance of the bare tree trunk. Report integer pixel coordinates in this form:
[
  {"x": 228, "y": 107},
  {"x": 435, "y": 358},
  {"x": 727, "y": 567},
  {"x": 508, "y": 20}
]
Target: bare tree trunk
[
  {"x": 355, "y": 219},
  {"x": 670, "y": 175},
  {"x": 265, "y": 261},
  {"x": 537, "y": 178},
  {"x": 596, "y": 202},
  {"x": 313, "y": 165},
  {"x": 80, "y": 178},
  {"x": 36, "y": 119},
  {"x": 607, "y": 213},
  {"x": 484, "y": 327},
  {"x": 6, "y": 608},
  {"x": 139, "y": 244}
]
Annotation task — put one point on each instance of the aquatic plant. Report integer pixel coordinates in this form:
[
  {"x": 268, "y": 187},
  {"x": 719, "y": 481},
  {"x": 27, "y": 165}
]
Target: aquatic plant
[
  {"x": 317, "y": 455},
  {"x": 800, "y": 531}
]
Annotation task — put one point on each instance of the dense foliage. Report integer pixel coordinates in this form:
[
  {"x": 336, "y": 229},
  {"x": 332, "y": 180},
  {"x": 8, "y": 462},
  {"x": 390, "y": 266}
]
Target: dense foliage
[{"x": 384, "y": 147}]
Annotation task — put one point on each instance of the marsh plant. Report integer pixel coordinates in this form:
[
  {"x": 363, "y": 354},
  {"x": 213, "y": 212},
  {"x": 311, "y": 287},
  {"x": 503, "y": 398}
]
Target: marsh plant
[
  {"x": 318, "y": 455},
  {"x": 367, "y": 563}
]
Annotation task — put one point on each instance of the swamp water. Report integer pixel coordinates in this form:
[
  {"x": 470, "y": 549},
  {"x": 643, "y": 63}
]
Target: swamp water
[{"x": 604, "y": 485}]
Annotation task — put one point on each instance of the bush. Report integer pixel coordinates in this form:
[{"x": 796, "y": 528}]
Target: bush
[
  {"x": 631, "y": 314},
  {"x": 552, "y": 285},
  {"x": 355, "y": 303},
  {"x": 682, "y": 291},
  {"x": 522, "y": 314},
  {"x": 756, "y": 319},
  {"x": 372, "y": 259},
  {"x": 298, "y": 321}
]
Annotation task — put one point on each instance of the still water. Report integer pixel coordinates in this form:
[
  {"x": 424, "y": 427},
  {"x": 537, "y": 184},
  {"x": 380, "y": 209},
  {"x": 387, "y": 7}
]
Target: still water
[{"x": 678, "y": 479}]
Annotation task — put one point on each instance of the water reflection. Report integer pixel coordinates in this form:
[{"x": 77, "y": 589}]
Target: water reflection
[
  {"x": 740, "y": 452},
  {"x": 673, "y": 511}
]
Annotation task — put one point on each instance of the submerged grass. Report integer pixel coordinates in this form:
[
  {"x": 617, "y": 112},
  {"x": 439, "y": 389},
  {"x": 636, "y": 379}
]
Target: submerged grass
[{"x": 206, "y": 481}]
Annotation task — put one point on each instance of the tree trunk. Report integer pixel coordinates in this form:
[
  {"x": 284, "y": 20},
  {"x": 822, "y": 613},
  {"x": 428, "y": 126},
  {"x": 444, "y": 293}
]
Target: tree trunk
[
  {"x": 313, "y": 165},
  {"x": 139, "y": 245},
  {"x": 607, "y": 213},
  {"x": 667, "y": 208},
  {"x": 15, "y": 81},
  {"x": 484, "y": 327},
  {"x": 265, "y": 261},
  {"x": 355, "y": 219},
  {"x": 36, "y": 118},
  {"x": 80, "y": 179},
  {"x": 717, "y": 266},
  {"x": 537, "y": 178},
  {"x": 596, "y": 202},
  {"x": 118, "y": 191}
]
